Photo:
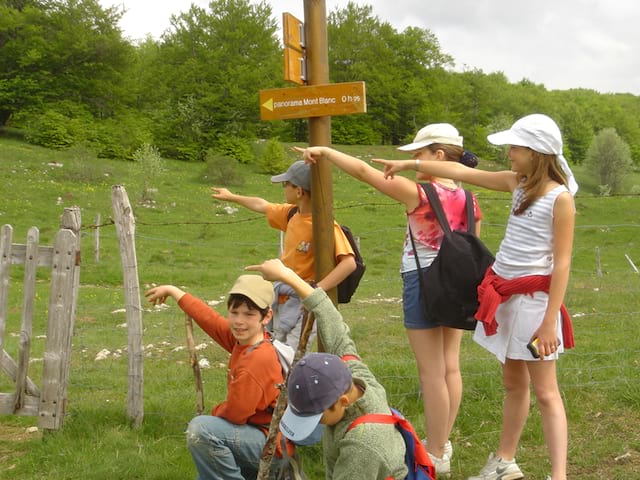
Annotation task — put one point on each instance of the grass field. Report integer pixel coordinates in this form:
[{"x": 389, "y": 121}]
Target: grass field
[{"x": 185, "y": 238}]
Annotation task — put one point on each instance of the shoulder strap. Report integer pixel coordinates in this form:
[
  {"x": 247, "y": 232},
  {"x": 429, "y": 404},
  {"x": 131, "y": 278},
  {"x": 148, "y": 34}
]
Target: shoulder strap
[
  {"x": 436, "y": 206},
  {"x": 471, "y": 218},
  {"x": 349, "y": 356},
  {"x": 373, "y": 418},
  {"x": 291, "y": 213}
]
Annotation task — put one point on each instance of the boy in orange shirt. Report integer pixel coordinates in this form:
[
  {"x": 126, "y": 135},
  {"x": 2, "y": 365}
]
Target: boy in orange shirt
[
  {"x": 298, "y": 251},
  {"x": 228, "y": 443}
]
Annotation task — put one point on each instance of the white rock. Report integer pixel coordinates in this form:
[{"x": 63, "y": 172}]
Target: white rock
[{"x": 103, "y": 354}]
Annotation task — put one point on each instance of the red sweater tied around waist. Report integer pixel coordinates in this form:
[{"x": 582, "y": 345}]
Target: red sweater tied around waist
[{"x": 495, "y": 290}]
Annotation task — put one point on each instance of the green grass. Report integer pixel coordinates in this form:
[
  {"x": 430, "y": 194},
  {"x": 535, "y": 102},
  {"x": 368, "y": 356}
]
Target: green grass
[{"x": 186, "y": 238}]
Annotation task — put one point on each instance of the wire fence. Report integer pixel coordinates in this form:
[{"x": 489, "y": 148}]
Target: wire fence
[
  {"x": 595, "y": 313},
  {"x": 603, "y": 299}
]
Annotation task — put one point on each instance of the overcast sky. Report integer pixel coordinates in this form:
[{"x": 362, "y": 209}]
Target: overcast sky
[{"x": 562, "y": 44}]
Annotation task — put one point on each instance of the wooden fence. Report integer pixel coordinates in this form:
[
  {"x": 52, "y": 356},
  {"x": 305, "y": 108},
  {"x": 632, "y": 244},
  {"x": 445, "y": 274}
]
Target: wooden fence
[{"x": 63, "y": 258}]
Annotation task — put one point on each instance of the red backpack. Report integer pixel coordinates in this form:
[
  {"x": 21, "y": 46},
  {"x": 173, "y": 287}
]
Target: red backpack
[{"x": 416, "y": 456}]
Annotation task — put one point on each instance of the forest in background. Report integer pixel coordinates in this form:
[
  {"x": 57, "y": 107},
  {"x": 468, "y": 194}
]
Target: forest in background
[{"x": 69, "y": 77}]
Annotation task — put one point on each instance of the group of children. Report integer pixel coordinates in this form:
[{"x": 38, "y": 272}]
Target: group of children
[{"x": 520, "y": 300}]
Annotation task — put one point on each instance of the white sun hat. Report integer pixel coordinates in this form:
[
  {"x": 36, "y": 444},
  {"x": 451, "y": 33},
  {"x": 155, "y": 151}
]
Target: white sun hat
[{"x": 540, "y": 133}]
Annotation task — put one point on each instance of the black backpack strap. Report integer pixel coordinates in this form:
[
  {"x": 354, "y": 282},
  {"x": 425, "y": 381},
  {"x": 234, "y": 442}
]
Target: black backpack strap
[
  {"x": 436, "y": 206},
  {"x": 291, "y": 213},
  {"x": 471, "y": 218}
]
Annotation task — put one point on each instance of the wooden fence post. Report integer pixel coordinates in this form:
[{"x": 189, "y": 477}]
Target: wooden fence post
[
  {"x": 96, "y": 240},
  {"x": 5, "y": 265},
  {"x": 125, "y": 226},
  {"x": 55, "y": 371},
  {"x": 71, "y": 220},
  {"x": 26, "y": 326}
]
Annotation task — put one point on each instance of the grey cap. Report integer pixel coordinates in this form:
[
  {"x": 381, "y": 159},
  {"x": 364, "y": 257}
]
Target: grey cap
[{"x": 298, "y": 174}]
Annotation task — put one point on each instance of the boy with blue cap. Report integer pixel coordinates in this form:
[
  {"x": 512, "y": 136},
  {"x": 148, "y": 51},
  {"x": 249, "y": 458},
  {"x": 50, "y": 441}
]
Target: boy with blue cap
[{"x": 328, "y": 391}]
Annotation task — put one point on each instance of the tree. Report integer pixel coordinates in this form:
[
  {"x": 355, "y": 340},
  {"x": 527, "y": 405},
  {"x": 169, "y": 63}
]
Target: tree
[
  {"x": 214, "y": 62},
  {"x": 62, "y": 51},
  {"x": 609, "y": 159},
  {"x": 393, "y": 65}
]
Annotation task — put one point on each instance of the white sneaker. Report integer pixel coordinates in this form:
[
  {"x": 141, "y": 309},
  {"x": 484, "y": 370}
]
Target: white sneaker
[
  {"x": 498, "y": 469},
  {"x": 448, "y": 448},
  {"x": 442, "y": 464}
]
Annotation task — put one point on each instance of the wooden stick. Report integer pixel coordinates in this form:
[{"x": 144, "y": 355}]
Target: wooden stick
[
  {"x": 281, "y": 404},
  {"x": 193, "y": 359}
]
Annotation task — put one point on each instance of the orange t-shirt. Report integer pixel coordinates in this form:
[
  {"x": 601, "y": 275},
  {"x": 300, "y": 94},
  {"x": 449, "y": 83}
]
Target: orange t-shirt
[{"x": 297, "y": 253}]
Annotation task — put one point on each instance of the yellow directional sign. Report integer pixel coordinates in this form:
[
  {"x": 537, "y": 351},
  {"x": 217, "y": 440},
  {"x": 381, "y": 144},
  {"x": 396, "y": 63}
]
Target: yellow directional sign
[
  {"x": 292, "y": 32},
  {"x": 313, "y": 101},
  {"x": 295, "y": 67}
]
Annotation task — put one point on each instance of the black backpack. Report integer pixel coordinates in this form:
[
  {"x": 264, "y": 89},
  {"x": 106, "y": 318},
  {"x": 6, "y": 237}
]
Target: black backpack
[
  {"x": 348, "y": 286},
  {"x": 450, "y": 284}
]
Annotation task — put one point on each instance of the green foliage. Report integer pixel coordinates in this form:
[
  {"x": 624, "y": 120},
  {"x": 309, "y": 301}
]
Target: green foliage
[
  {"x": 222, "y": 170},
  {"x": 609, "y": 159},
  {"x": 121, "y": 136},
  {"x": 273, "y": 158},
  {"x": 151, "y": 166},
  {"x": 49, "y": 129},
  {"x": 196, "y": 87},
  {"x": 234, "y": 147},
  {"x": 191, "y": 241},
  {"x": 213, "y": 61},
  {"x": 65, "y": 50},
  {"x": 57, "y": 125},
  {"x": 354, "y": 130}
]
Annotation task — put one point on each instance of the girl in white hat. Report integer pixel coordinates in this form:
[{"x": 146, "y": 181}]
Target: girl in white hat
[{"x": 521, "y": 311}]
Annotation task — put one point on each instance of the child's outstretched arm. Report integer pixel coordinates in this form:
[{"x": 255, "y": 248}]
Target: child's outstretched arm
[
  {"x": 502, "y": 181},
  {"x": 332, "y": 330},
  {"x": 256, "y": 204},
  {"x": 159, "y": 295},
  {"x": 275, "y": 271},
  {"x": 403, "y": 189}
]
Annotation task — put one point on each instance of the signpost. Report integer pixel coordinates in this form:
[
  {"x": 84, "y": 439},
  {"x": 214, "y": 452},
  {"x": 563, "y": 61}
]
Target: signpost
[{"x": 313, "y": 101}]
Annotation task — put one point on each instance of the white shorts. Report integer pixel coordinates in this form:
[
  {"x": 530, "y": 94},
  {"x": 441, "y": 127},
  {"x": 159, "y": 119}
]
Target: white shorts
[{"x": 518, "y": 318}]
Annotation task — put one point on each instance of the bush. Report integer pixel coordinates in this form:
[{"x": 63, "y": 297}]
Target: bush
[
  {"x": 49, "y": 129},
  {"x": 354, "y": 131},
  {"x": 57, "y": 125},
  {"x": 609, "y": 159},
  {"x": 222, "y": 170},
  {"x": 121, "y": 136},
  {"x": 274, "y": 158},
  {"x": 234, "y": 147},
  {"x": 150, "y": 166}
]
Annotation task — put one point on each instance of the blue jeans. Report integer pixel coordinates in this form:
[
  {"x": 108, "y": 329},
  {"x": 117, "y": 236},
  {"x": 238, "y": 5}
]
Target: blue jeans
[
  {"x": 287, "y": 316},
  {"x": 413, "y": 303},
  {"x": 225, "y": 451}
]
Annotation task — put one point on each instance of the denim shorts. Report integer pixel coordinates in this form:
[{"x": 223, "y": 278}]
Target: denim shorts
[{"x": 414, "y": 317}]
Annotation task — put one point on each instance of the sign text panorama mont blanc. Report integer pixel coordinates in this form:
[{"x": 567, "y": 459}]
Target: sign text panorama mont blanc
[{"x": 313, "y": 101}]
